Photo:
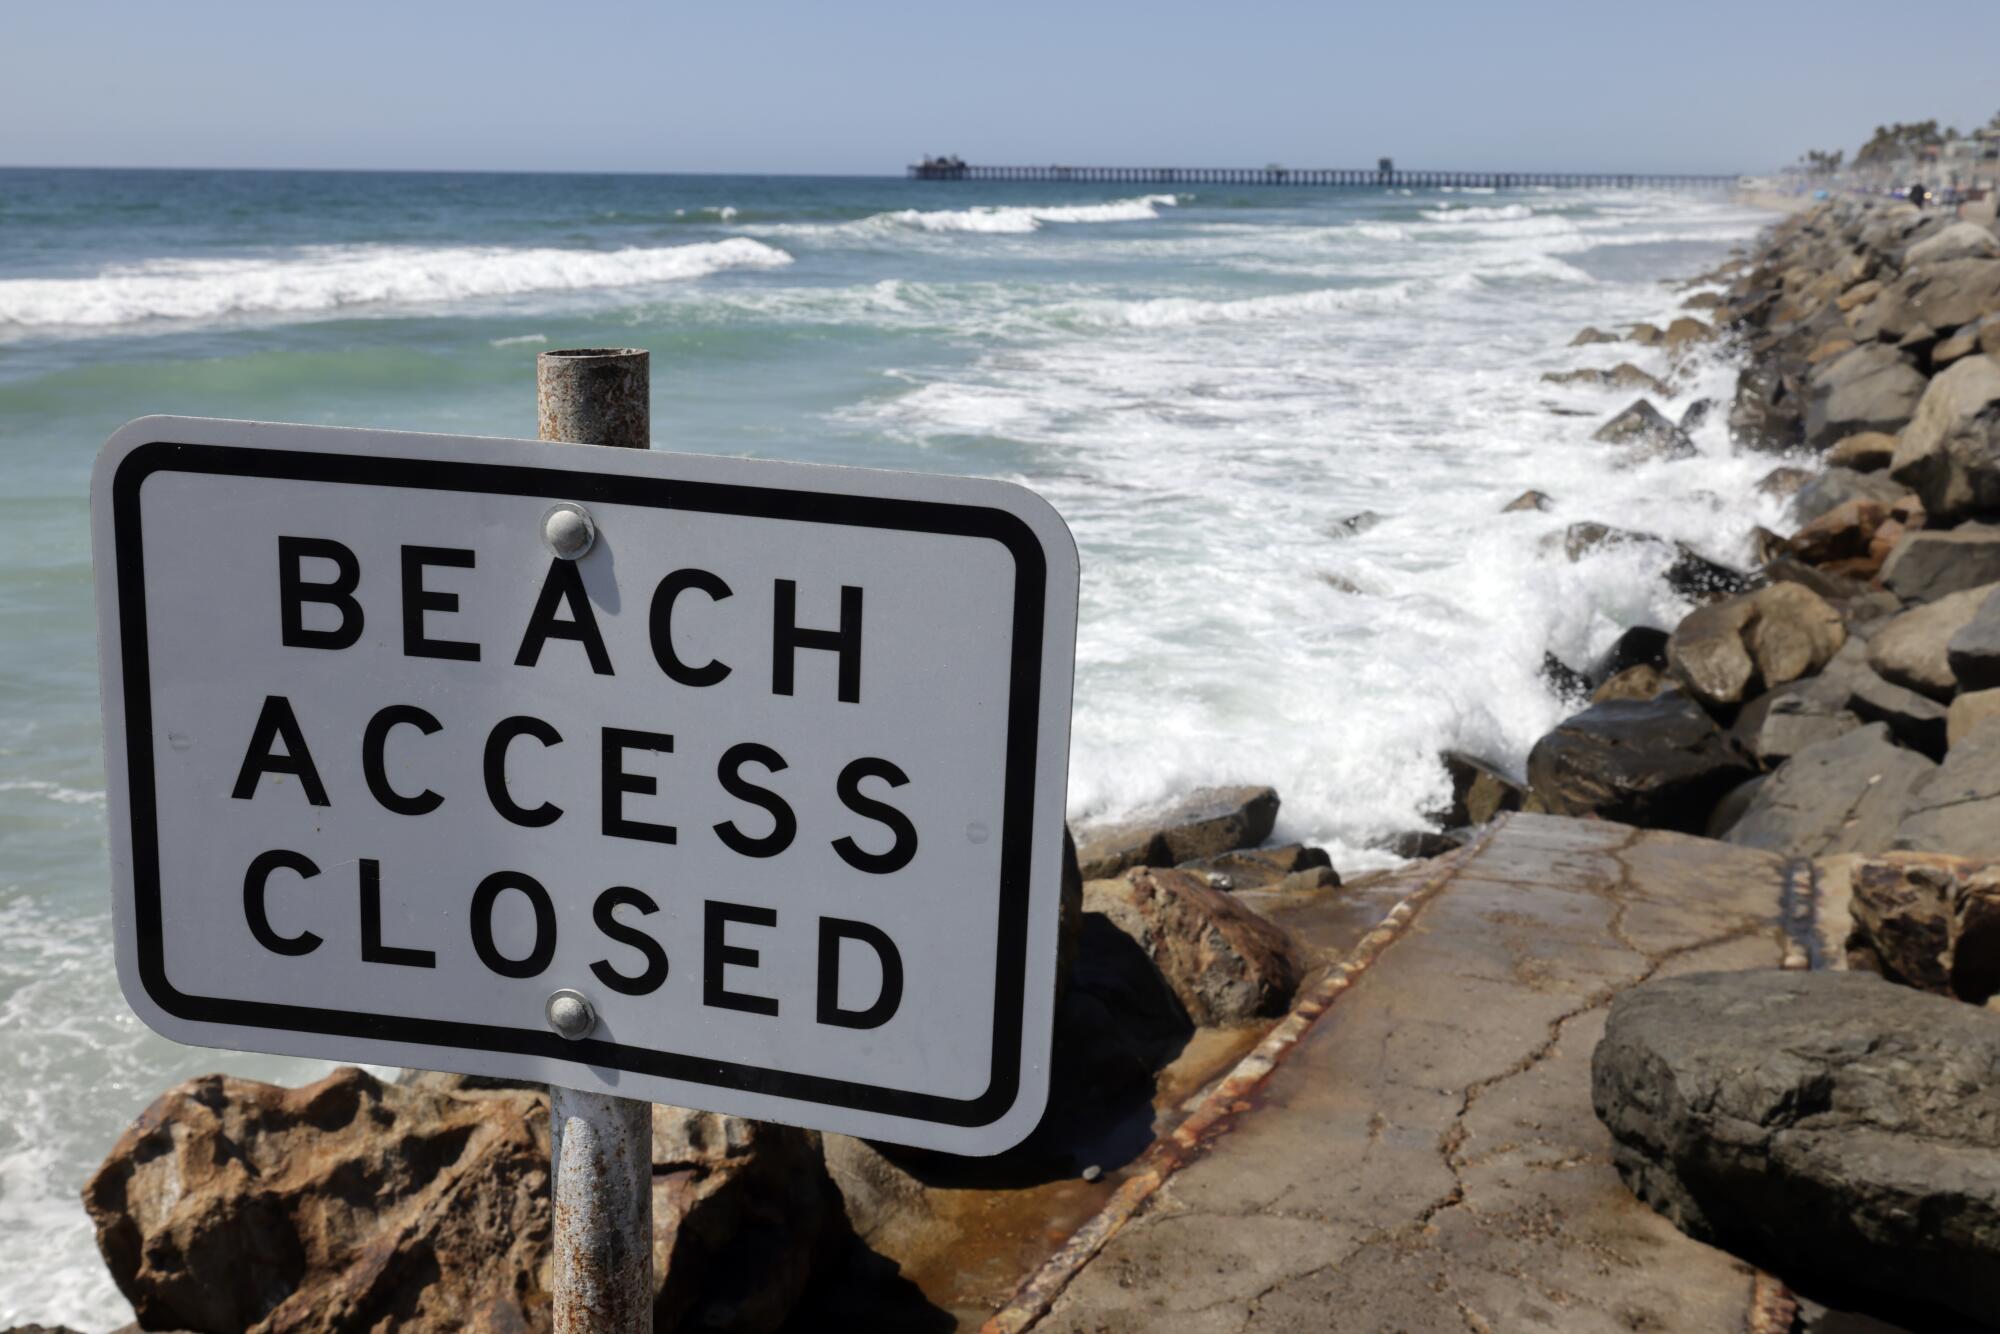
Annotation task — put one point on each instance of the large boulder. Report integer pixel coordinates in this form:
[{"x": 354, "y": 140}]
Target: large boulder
[
  {"x": 1660, "y": 763},
  {"x": 1914, "y": 648},
  {"x": 1205, "y": 824},
  {"x": 1926, "y": 566},
  {"x": 1645, "y": 433},
  {"x": 1226, "y": 964},
  {"x": 1777, "y": 634},
  {"x": 1843, "y": 795},
  {"x": 1871, "y": 388},
  {"x": 1973, "y": 651},
  {"x": 1290, "y": 868},
  {"x": 1959, "y": 240},
  {"x": 1950, "y": 452},
  {"x": 1840, "y": 1131},
  {"x": 353, "y": 1204},
  {"x": 346, "y": 1204},
  {"x": 1843, "y": 533},
  {"x": 1943, "y": 295},
  {"x": 1956, "y": 809}
]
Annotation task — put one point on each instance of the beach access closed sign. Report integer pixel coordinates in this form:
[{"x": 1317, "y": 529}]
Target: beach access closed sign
[{"x": 762, "y": 763}]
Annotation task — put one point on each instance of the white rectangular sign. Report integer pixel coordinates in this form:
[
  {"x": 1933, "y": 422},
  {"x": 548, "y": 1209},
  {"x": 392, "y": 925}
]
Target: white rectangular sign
[{"x": 772, "y": 775}]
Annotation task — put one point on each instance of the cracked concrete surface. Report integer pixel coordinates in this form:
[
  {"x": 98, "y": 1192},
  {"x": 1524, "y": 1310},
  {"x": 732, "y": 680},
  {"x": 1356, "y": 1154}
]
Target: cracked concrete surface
[{"x": 1428, "y": 1159}]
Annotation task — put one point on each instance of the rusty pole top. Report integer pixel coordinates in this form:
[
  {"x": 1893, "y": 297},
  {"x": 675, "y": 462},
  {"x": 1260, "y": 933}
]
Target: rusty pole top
[{"x": 595, "y": 396}]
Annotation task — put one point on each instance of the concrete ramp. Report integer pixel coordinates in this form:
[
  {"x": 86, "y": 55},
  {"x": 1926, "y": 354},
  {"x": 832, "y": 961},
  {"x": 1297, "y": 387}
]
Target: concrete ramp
[{"x": 1424, "y": 1156}]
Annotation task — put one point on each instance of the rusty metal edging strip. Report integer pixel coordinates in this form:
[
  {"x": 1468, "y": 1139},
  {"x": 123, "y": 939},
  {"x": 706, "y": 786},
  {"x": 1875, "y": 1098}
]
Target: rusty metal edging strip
[{"x": 1214, "y": 1115}]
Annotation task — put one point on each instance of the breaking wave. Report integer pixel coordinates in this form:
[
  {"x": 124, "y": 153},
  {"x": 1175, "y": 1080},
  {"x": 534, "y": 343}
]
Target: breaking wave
[{"x": 332, "y": 278}]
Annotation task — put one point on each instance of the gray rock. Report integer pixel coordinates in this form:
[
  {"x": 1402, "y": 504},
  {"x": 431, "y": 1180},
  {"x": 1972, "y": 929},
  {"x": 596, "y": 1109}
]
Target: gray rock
[
  {"x": 1836, "y": 486},
  {"x": 1697, "y": 415},
  {"x": 1843, "y": 795},
  {"x": 1913, "y": 648},
  {"x": 1646, "y": 434},
  {"x": 1957, "y": 808},
  {"x": 1943, "y": 295},
  {"x": 1967, "y": 712},
  {"x": 1927, "y": 565},
  {"x": 1950, "y": 453},
  {"x": 1206, "y": 824},
  {"x": 1959, "y": 240},
  {"x": 1659, "y": 763},
  {"x": 1915, "y": 720},
  {"x": 1871, "y": 388},
  {"x": 1831, "y": 1127},
  {"x": 1768, "y": 409},
  {"x": 1780, "y": 723}
]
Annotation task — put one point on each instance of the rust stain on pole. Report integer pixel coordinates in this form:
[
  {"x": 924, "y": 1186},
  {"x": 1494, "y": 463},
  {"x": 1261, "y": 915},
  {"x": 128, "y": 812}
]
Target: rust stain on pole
[
  {"x": 595, "y": 396},
  {"x": 601, "y": 1146}
]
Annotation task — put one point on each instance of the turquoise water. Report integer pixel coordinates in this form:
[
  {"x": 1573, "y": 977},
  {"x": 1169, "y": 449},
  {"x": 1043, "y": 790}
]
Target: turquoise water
[{"x": 1205, "y": 383}]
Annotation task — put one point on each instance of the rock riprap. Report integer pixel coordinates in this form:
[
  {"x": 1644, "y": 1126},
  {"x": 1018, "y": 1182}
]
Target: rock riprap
[
  {"x": 1836, "y": 1129},
  {"x": 1226, "y": 964},
  {"x": 1206, "y": 824}
]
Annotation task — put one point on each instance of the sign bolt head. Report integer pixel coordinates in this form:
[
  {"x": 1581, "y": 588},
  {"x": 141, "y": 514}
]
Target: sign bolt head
[
  {"x": 568, "y": 531},
  {"x": 571, "y": 1014}
]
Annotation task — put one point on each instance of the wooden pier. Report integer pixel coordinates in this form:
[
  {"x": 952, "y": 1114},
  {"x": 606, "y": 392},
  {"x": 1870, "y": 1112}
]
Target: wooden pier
[{"x": 1392, "y": 178}]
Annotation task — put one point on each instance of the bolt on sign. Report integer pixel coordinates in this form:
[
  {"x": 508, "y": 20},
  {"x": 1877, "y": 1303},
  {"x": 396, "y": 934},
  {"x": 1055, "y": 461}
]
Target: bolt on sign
[{"x": 721, "y": 783}]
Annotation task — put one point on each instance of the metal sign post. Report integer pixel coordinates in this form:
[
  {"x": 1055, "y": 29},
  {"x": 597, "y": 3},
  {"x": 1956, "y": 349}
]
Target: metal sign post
[{"x": 601, "y": 1146}]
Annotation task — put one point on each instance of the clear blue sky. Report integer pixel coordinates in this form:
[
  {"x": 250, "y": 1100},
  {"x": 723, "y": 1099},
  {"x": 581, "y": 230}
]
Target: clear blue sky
[{"x": 863, "y": 86}]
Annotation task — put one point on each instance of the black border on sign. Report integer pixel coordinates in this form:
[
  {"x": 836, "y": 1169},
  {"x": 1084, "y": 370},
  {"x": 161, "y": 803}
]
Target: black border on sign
[{"x": 1017, "y": 821}]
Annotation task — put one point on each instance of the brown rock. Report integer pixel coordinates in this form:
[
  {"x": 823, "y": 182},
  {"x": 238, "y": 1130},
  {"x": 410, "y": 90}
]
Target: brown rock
[
  {"x": 1901, "y": 909},
  {"x": 1622, "y": 376},
  {"x": 1858, "y": 295},
  {"x": 1784, "y": 481},
  {"x": 1641, "y": 681},
  {"x": 1226, "y": 964},
  {"x": 1645, "y": 335},
  {"x": 354, "y": 1205},
  {"x": 1480, "y": 790},
  {"x": 1528, "y": 500},
  {"x": 1842, "y": 533},
  {"x": 1975, "y": 936},
  {"x": 1865, "y": 451},
  {"x": 1774, "y": 635},
  {"x": 1206, "y": 824},
  {"x": 1590, "y": 334},
  {"x": 1829, "y": 349},
  {"x": 1686, "y": 331},
  {"x": 743, "y": 1213},
  {"x": 347, "y": 1204},
  {"x": 1293, "y": 866}
]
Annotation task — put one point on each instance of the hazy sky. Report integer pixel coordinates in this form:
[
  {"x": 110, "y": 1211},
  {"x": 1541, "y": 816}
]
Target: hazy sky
[{"x": 864, "y": 86}]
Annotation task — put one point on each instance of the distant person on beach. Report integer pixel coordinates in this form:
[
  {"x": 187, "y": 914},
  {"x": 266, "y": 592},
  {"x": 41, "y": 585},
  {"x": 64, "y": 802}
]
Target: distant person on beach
[{"x": 1917, "y": 195}]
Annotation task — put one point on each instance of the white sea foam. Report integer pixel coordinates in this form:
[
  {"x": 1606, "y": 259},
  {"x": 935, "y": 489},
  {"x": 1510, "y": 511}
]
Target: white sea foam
[
  {"x": 1004, "y": 219},
  {"x": 1480, "y": 213},
  {"x": 318, "y": 280},
  {"x": 56, "y": 792},
  {"x": 518, "y": 340}
]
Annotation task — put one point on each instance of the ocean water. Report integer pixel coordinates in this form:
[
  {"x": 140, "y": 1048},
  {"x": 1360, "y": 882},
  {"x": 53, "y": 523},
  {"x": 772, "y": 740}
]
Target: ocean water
[{"x": 1207, "y": 383}]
